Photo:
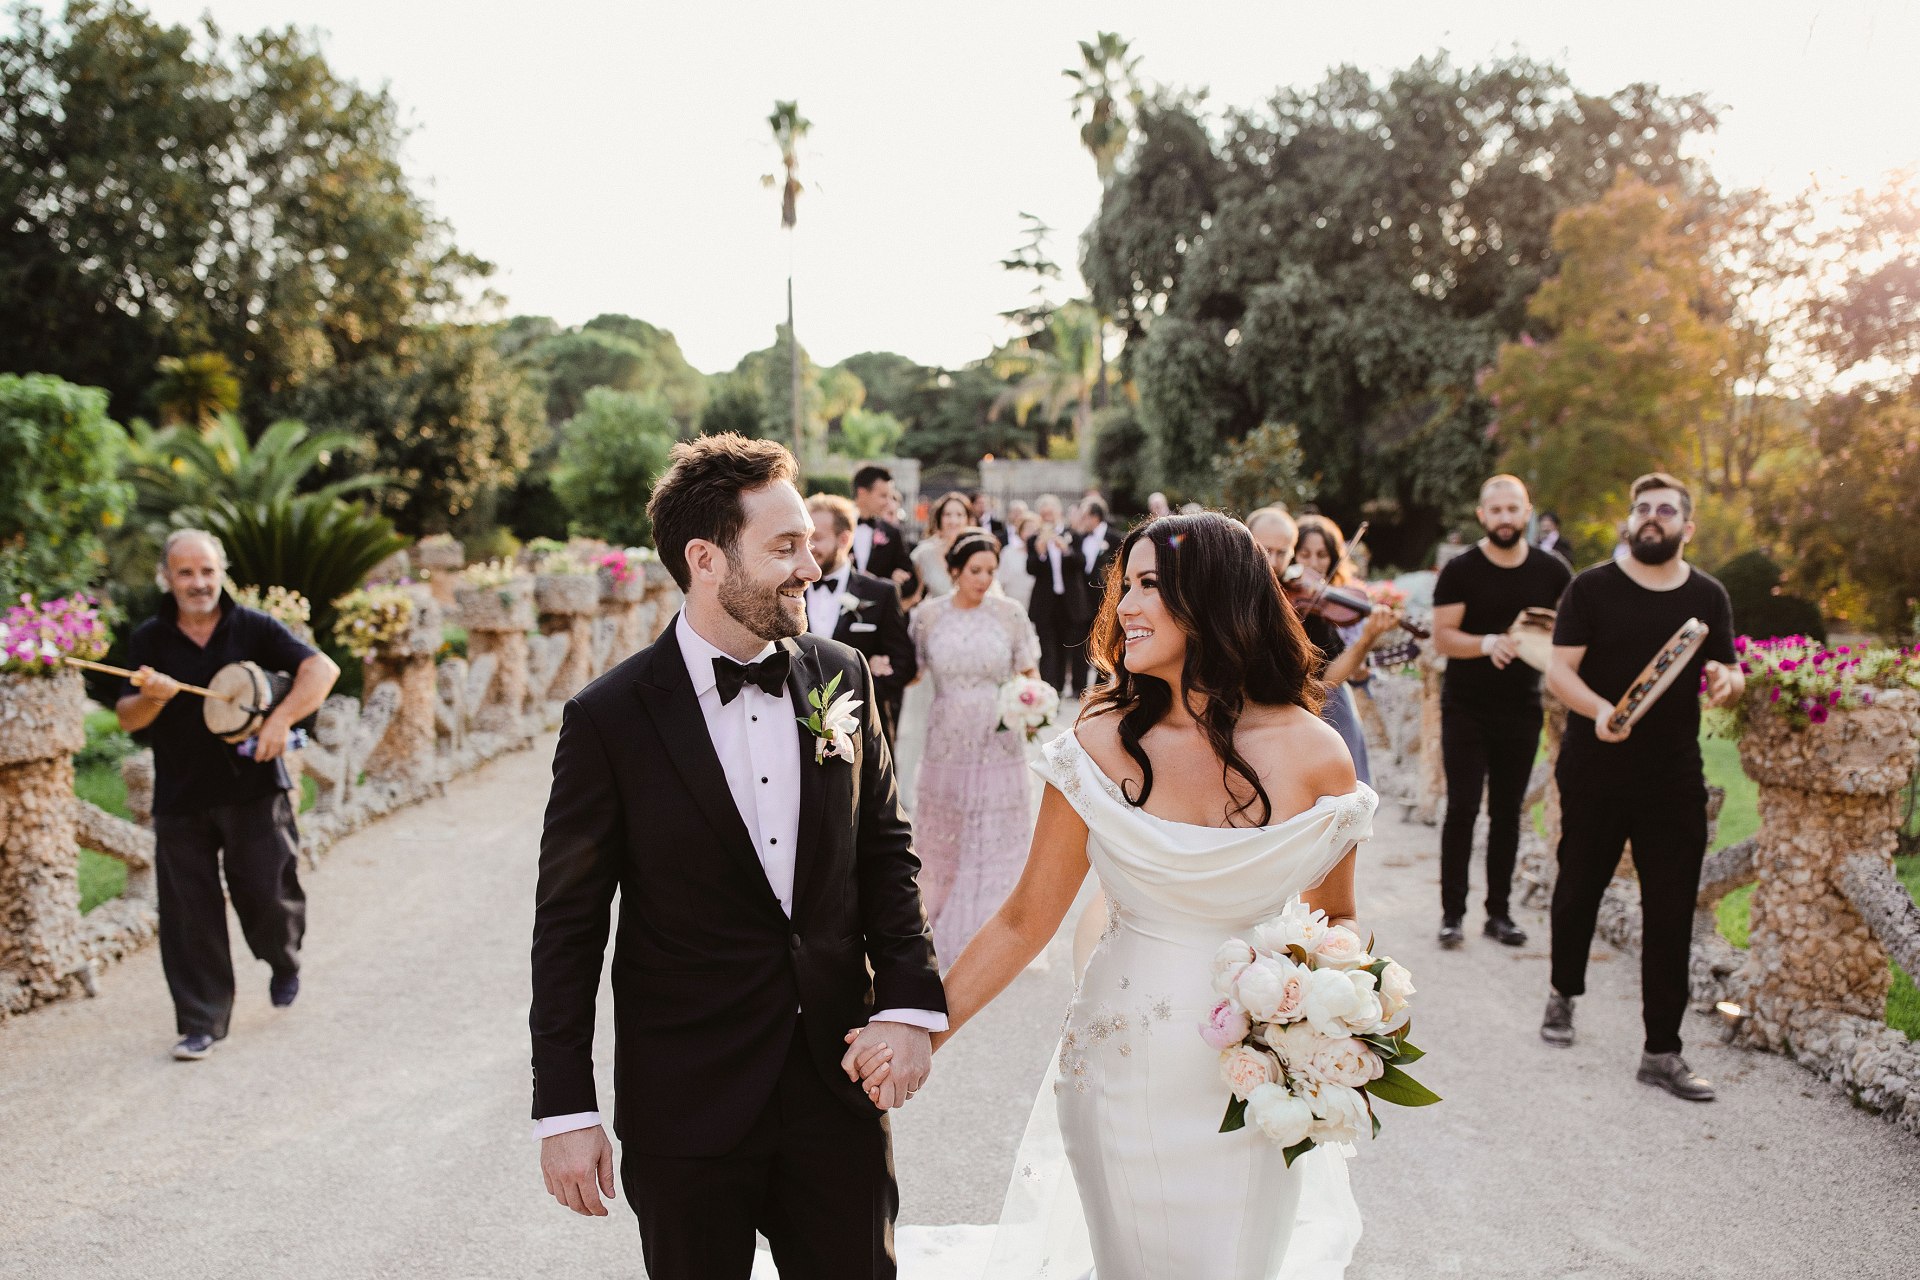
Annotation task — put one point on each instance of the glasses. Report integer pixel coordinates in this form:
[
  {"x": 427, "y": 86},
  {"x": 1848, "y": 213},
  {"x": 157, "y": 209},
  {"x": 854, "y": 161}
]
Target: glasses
[{"x": 1666, "y": 510}]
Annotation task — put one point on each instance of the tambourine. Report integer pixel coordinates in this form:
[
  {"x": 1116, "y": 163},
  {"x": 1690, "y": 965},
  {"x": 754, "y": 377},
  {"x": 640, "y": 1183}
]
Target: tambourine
[
  {"x": 1532, "y": 636},
  {"x": 242, "y": 693},
  {"x": 1655, "y": 678}
]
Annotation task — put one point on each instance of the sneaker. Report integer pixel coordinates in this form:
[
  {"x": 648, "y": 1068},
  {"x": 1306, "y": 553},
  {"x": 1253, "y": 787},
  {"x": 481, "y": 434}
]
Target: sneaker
[
  {"x": 283, "y": 989},
  {"x": 193, "y": 1048},
  {"x": 1451, "y": 934},
  {"x": 1669, "y": 1071},
  {"x": 1556, "y": 1028},
  {"x": 1505, "y": 932}
]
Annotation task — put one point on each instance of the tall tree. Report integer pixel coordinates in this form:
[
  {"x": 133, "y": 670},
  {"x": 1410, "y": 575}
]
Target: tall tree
[
  {"x": 1106, "y": 92},
  {"x": 789, "y": 127}
]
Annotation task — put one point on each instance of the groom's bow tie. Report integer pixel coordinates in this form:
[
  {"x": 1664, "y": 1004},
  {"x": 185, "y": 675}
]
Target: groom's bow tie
[{"x": 770, "y": 673}]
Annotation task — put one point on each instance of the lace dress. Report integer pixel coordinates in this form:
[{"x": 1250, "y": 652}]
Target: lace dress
[
  {"x": 1123, "y": 1169},
  {"x": 972, "y": 816}
]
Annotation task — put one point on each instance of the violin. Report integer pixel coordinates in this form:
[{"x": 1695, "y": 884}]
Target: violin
[{"x": 1309, "y": 592}]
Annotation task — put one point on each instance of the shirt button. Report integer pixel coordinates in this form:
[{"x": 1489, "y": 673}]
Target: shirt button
[
  {"x": 756, "y": 719},
  {"x": 763, "y": 779},
  {"x": 794, "y": 941},
  {"x": 773, "y": 840}
]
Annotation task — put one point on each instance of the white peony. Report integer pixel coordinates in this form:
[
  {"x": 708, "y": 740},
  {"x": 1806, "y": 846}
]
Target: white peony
[
  {"x": 1367, "y": 1014},
  {"x": 1246, "y": 1069},
  {"x": 1341, "y": 948},
  {"x": 1295, "y": 1044},
  {"x": 1332, "y": 997},
  {"x": 1233, "y": 956},
  {"x": 1297, "y": 926},
  {"x": 1396, "y": 991},
  {"x": 1349, "y": 1062},
  {"x": 1339, "y": 1114},
  {"x": 1260, "y": 987},
  {"x": 1278, "y": 1114}
]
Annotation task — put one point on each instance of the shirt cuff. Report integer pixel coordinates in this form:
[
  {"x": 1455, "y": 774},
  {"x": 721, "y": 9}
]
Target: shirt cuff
[
  {"x": 925, "y": 1019},
  {"x": 552, "y": 1125}
]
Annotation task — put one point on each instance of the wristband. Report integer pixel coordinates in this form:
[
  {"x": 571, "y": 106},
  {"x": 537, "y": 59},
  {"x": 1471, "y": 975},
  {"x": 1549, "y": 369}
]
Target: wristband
[{"x": 1487, "y": 642}]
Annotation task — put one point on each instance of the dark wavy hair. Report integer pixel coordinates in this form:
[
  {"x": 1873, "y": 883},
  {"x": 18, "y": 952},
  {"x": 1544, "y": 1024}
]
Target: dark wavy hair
[
  {"x": 1244, "y": 645},
  {"x": 967, "y": 544}
]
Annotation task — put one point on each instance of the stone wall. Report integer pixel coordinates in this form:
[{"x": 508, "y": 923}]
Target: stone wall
[{"x": 420, "y": 724}]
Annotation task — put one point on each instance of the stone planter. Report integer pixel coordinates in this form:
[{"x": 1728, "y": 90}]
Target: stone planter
[
  {"x": 441, "y": 562},
  {"x": 509, "y": 607},
  {"x": 1828, "y": 793},
  {"x": 42, "y": 723},
  {"x": 407, "y": 748},
  {"x": 566, "y": 593},
  {"x": 568, "y": 603},
  {"x": 632, "y": 591}
]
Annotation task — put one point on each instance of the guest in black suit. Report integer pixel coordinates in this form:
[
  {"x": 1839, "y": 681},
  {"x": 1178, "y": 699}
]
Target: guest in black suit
[
  {"x": 879, "y": 547},
  {"x": 1059, "y": 604},
  {"x": 1550, "y": 539},
  {"x": 984, "y": 518},
  {"x": 768, "y": 902},
  {"x": 1097, "y": 545},
  {"x": 858, "y": 609}
]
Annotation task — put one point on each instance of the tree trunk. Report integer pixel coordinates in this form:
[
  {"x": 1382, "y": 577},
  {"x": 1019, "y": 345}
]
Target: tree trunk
[{"x": 793, "y": 360}]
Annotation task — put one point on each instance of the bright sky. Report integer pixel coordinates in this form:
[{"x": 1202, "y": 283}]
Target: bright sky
[{"x": 607, "y": 154}]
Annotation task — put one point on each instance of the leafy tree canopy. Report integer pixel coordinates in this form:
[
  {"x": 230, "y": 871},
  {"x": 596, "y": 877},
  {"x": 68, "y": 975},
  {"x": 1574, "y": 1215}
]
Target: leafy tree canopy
[
  {"x": 610, "y": 455},
  {"x": 58, "y": 491}
]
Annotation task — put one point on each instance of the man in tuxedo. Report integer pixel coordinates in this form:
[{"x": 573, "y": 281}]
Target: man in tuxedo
[
  {"x": 1059, "y": 585},
  {"x": 1550, "y": 539},
  {"x": 767, "y": 903},
  {"x": 858, "y": 609},
  {"x": 879, "y": 547},
  {"x": 1098, "y": 547},
  {"x": 983, "y": 516}
]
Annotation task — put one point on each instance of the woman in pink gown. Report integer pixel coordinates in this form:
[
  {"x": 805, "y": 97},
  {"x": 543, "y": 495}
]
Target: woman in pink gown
[{"x": 973, "y": 813}]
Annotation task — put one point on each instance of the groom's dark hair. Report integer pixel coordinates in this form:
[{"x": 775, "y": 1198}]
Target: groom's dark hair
[{"x": 699, "y": 496}]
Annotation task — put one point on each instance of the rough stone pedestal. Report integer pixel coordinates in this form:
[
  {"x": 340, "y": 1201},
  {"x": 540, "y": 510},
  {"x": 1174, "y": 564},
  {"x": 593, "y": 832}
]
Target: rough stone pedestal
[
  {"x": 1828, "y": 793},
  {"x": 406, "y": 750},
  {"x": 441, "y": 559},
  {"x": 567, "y": 604},
  {"x": 497, "y": 620},
  {"x": 42, "y": 723}
]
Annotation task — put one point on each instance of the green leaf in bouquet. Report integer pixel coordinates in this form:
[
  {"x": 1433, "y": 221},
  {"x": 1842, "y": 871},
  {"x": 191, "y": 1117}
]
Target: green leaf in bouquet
[
  {"x": 1378, "y": 967},
  {"x": 1297, "y": 952},
  {"x": 1407, "y": 1052},
  {"x": 1236, "y": 1117},
  {"x": 1373, "y": 1119},
  {"x": 1389, "y": 1047},
  {"x": 1297, "y": 1150},
  {"x": 1401, "y": 1089}
]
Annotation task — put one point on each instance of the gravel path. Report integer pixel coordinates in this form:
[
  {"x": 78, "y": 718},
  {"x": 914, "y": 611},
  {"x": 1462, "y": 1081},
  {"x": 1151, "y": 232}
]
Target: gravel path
[{"x": 378, "y": 1128}]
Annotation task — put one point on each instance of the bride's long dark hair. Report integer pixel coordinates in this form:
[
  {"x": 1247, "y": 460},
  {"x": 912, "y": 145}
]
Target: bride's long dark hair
[{"x": 1244, "y": 644}]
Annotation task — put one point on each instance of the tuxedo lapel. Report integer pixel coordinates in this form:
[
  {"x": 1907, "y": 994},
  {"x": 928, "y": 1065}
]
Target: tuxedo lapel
[
  {"x": 666, "y": 691},
  {"x": 804, "y": 675}
]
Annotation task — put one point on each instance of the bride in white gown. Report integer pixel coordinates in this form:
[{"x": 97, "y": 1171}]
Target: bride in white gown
[{"x": 1206, "y": 794}]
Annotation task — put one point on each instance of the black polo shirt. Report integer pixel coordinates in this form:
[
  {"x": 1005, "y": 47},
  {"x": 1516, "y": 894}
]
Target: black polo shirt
[{"x": 194, "y": 770}]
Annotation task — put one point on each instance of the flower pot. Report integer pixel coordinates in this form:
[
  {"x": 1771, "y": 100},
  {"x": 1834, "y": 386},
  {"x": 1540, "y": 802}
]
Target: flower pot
[
  {"x": 567, "y": 593},
  {"x": 1858, "y": 751},
  {"x": 508, "y": 607},
  {"x": 42, "y": 716}
]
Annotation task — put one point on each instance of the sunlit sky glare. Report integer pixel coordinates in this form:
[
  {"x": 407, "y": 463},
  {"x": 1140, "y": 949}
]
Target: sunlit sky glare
[{"x": 607, "y": 154}]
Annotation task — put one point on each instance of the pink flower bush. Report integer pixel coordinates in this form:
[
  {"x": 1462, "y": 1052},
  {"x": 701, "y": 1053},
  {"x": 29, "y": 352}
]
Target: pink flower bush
[
  {"x": 1798, "y": 677},
  {"x": 35, "y": 637}
]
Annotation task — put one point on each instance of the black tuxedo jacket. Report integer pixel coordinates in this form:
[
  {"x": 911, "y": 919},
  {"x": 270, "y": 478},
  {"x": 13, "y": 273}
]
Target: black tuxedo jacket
[
  {"x": 878, "y": 628},
  {"x": 1073, "y": 570},
  {"x": 708, "y": 972},
  {"x": 889, "y": 552}
]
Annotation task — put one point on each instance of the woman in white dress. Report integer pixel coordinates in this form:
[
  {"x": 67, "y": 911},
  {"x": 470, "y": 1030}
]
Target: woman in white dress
[
  {"x": 1013, "y": 575},
  {"x": 950, "y": 513},
  {"x": 1204, "y": 790}
]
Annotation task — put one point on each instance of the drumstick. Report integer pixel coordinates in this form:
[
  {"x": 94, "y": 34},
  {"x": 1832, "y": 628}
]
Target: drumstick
[{"x": 138, "y": 679}]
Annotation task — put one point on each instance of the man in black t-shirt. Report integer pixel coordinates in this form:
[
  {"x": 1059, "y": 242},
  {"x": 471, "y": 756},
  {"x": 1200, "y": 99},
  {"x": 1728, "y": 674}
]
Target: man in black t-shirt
[
  {"x": 208, "y": 799},
  {"x": 1643, "y": 784},
  {"x": 1489, "y": 700}
]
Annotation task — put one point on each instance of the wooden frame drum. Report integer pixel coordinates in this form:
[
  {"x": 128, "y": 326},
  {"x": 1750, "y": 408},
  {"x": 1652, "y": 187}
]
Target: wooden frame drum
[{"x": 1657, "y": 676}]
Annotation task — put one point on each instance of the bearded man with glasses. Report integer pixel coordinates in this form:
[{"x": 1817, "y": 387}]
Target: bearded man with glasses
[{"x": 1643, "y": 783}]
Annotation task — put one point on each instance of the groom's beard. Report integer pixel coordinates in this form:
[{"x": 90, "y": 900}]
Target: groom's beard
[{"x": 762, "y": 609}]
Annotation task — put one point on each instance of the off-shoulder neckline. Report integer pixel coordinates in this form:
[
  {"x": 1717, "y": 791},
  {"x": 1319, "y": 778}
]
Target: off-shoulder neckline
[{"x": 1359, "y": 794}]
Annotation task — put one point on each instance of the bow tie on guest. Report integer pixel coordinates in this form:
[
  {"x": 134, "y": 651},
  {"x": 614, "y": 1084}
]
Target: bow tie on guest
[
  {"x": 770, "y": 673},
  {"x": 868, "y": 521},
  {"x": 824, "y": 584}
]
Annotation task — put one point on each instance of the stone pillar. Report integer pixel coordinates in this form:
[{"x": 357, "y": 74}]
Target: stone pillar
[
  {"x": 1432, "y": 792},
  {"x": 567, "y": 604},
  {"x": 42, "y": 723},
  {"x": 406, "y": 750},
  {"x": 441, "y": 559},
  {"x": 623, "y": 604},
  {"x": 663, "y": 596},
  {"x": 1828, "y": 793},
  {"x": 497, "y": 620}
]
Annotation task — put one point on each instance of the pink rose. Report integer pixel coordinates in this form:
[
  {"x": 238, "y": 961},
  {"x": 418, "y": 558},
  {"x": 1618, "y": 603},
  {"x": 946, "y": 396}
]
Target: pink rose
[
  {"x": 1342, "y": 948},
  {"x": 1348, "y": 1062},
  {"x": 1225, "y": 1026},
  {"x": 1246, "y": 1069}
]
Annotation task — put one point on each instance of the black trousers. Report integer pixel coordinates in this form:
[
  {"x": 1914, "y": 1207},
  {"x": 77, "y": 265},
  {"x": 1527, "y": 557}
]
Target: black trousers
[
  {"x": 811, "y": 1176},
  {"x": 1061, "y": 664},
  {"x": 260, "y": 846},
  {"x": 1669, "y": 835},
  {"x": 1494, "y": 749}
]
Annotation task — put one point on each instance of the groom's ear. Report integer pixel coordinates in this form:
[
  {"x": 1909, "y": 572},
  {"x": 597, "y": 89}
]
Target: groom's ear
[{"x": 705, "y": 561}]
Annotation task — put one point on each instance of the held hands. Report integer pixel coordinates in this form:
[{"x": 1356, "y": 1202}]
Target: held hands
[
  {"x": 880, "y": 665},
  {"x": 578, "y": 1168},
  {"x": 890, "y": 1060}
]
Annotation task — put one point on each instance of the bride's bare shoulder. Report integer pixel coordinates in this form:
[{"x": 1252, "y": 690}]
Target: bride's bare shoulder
[
  {"x": 1290, "y": 741},
  {"x": 1099, "y": 734}
]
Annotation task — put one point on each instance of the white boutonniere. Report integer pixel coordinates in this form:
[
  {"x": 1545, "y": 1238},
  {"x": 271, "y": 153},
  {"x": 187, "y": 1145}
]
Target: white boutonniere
[
  {"x": 850, "y": 603},
  {"x": 833, "y": 723}
]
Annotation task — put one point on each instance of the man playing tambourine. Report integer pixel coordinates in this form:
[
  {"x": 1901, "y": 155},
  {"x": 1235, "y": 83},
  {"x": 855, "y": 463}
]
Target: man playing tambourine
[{"x": 1642, "y": 782}]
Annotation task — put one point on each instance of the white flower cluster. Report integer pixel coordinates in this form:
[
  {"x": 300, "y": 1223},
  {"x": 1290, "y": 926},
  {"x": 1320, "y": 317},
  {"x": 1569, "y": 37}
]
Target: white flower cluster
[
  {"x": 1310, "y": 1028},
  {"x": 1026, "y": 704}
]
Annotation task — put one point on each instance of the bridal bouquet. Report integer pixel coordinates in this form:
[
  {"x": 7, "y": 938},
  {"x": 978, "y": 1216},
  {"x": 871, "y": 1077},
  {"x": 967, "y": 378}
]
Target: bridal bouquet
[
  {"x": 1311, "y": 1030},
  {"x": 1027, "y": 704}
]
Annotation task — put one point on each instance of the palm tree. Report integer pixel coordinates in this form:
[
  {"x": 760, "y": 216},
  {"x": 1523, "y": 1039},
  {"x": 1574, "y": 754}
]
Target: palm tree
[
  {"x": 1108, "y": 95},
  {"x": 1053, "y": 371},
  {"x": 194, "y": 389},
  {"x": 179, "y": 474},
  {"x": 789, "y": 126}
]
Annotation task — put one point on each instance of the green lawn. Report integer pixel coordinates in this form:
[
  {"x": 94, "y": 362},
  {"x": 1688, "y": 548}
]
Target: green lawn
[{"x": 96, "y": 778}]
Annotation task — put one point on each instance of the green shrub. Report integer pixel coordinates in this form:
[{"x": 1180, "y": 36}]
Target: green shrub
[
  {"x": 611, "y": 452},
  {"x": 1761, "y": 609},
  {"x": 58, "y": 491},
  {"x": 319, "y": 546}
]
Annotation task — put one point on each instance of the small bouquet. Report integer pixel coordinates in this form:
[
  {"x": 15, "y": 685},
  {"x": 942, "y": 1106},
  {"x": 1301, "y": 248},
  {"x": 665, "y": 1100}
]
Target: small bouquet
[
  {"x": 1311, "y": 1029},
  {"x": 833, "y": 724},
  {"x": 36, "y": 637},
  {"x": 371, "y": 618},
  {"x": 1027, "y": 704}
]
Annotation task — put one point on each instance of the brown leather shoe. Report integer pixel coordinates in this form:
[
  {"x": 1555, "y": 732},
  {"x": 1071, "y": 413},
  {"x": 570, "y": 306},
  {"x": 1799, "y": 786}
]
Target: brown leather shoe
[{"x": 1669, "y": 1071}]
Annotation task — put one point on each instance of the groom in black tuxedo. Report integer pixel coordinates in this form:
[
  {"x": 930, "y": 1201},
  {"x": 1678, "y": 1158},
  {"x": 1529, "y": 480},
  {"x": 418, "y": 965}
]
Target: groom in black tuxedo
[{"x": 768, "y": 902}]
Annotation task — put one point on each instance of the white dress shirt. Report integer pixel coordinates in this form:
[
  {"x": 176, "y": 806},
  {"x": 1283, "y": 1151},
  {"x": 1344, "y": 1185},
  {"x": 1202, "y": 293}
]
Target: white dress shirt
[
  {"x": 1094, "y": 545},
  {"x": 1053, "y": 559},
  {"x": 823, "y": 602},
  {"x": 862, "y": 545},
  {"x": 760, "y": 752}
]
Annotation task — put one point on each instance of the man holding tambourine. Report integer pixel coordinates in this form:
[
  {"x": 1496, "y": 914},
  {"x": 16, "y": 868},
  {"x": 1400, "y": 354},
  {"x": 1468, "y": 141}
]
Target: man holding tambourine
[
  {"x": 1632, "y": 643},
  {"x": 208, "y": 799}
]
